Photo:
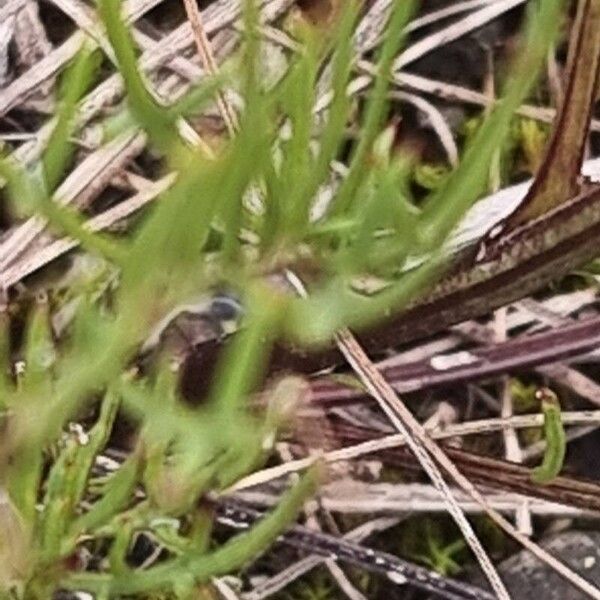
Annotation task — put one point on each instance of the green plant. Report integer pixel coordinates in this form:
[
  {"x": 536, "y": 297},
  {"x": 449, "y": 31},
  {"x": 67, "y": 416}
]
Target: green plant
[
  {"x": 439, "y": 554},
  {"x": 188, "y": 244},
  {"x": 317, "y": 587},
  {"x": 554, "y": 436}
]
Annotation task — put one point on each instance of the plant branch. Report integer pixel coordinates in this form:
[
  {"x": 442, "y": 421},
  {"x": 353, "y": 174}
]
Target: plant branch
[{"x": 559, "y": 175}]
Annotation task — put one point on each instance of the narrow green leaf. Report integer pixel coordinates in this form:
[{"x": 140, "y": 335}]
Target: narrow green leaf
[
  {"x": 153, "y": 118},
  {"x": 75, "y": 82},
  {"x": 554, "y": 435},
  {"x": 376, "y": 108}
]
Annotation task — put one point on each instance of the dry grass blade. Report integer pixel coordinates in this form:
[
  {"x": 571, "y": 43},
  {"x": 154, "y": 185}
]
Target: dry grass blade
[
  {"x": 350, "y": 496},
  {"x": 355, "y": 497},
  {"x": 29, "y": 264},
  {"x": 444, "y": 13},
  {"x": 396, "y": 440},
  {"x": 455, "y": 31},
  {"x": 370, "y": 30},
  {"x": 20, "y": 89},
  {"x": 10, "y": 8},
  {"x": 80, "y": 187},
  {"x": 436, "y": 121},
  {"x": 450, "y": 91},
  {"x": 210, "y": 64},
  {"x": 224, "y": 590},
  {"x": 31, "y": 44},
  {"x": 512, "y": 447}
]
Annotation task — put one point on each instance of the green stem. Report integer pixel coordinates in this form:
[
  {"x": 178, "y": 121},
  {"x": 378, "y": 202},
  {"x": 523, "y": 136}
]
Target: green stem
[{"x": 229, "y": 557}]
